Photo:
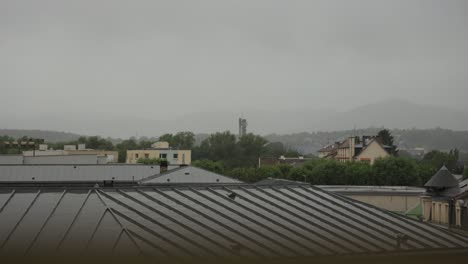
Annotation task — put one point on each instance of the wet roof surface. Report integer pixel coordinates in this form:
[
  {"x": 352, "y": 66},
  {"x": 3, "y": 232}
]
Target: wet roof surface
[
  {"x": 215, "y": 221},
  {"x": 188, "y": 174}
]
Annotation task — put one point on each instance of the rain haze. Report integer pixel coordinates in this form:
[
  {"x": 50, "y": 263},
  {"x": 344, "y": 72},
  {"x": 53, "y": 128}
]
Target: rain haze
[{"x": 124, "y": 68}]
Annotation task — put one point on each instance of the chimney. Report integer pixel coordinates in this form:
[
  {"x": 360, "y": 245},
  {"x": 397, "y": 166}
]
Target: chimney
[
  {"x": 364, "y": 140},
  {"x": 163, "y": 166}
]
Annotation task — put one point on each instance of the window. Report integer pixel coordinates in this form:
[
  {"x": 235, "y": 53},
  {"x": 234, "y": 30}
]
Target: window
[
  {"x": 163, "y": 156},
  {"x": 146, "y": 156},
  {"x": 136, "y": 156},
  {"x": 176, "y": 156}
]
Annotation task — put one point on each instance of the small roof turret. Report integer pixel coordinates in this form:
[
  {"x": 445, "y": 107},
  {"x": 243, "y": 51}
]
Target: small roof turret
[{"x": 443, "y": 179}]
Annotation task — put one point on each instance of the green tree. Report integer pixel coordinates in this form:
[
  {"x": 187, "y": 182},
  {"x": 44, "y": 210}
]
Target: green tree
[
  {"x": 357, "y": 173},
  {"x": 438, "y": 159},
  {"x": 385, "y": 137},
  {"x": 244, "y": 174},
  {"x": 144, "y": 144},
  {"x": 268, "y": 172},
  {"x": 5, "y": 149},
  {"x": 183, "y": 140},
  {"x": 213, "y": 166},
  {"x": 122, "y": 147},
  {"x": 96, "y": 142},
  {"x": 285, "y": 170},
  {"x": 251, "y": 147},
  {"x": 396, "y": 171},
  {"x": 328, "y": 172},
  {"x": 426, "y": 171},
  {"x": 310, "y": 164},
  {"x": 167, "y": 138},
  {"x": 299, "y": 174},
  {"x": 148, "y": 161},
  {"x": 291, "y": 153},
  {"x": 274, "y": 149},
  {"x": 220, "y": 146}
]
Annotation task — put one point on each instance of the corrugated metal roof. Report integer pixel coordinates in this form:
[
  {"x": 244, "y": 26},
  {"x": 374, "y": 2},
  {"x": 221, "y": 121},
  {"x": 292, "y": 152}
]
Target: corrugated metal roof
[
  {"x": 189, "y": 174},
  {"x": 87, "y": 172},
  {"x": 205, "y": 221},
  {"x": 374, "y": 190}
]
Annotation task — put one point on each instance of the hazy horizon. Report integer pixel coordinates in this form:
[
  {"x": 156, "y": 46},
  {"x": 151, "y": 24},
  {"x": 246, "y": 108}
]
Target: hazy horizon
[{"x": 102, "y": 62}]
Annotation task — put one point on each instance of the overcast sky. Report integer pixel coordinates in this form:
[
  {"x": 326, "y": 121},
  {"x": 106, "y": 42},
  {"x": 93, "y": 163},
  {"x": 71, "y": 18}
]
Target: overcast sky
[{"x": 158, "y": 59}]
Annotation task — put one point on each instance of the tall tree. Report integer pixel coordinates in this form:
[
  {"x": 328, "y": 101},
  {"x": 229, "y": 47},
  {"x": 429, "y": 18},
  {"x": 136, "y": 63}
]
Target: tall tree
[
  {"x": 438, "y": 159},
  {"x": 396, "y": 171},
  {"x": 183, "y": 140},
  {"x": 251, "y": 147},
  {"x": 385, "y": 137},
  {"x": 167, "y": 138}
]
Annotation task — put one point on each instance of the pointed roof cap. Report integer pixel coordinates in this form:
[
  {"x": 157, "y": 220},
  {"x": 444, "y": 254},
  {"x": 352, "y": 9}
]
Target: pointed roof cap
[{"x": 442, "y": 179}]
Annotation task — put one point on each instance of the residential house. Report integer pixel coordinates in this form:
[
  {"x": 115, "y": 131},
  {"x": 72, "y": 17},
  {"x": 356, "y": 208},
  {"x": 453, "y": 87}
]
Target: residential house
[
  {"x": 364, "y": 148},
  {"x": 161, "y": 150}
]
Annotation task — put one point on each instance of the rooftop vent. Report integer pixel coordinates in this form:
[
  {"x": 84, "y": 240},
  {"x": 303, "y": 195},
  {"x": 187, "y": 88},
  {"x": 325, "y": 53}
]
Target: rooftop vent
[
  {"x": 232, "y": 195},
  {"x": 107, "y": 183}
]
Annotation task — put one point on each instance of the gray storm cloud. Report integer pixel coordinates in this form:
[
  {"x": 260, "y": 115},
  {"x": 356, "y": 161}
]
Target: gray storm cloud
[{"x": 163, "y": 59}]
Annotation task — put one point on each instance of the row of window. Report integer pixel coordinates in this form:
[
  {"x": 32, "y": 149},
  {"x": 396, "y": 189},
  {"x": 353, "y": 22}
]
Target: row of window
[{"x": 161, "y": 156}]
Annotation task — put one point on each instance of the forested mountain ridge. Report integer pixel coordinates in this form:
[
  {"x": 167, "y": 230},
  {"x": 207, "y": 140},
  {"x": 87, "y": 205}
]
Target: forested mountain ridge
[
  {"x": 305, "y": 142},
  {"x": 47, "y": 135}
]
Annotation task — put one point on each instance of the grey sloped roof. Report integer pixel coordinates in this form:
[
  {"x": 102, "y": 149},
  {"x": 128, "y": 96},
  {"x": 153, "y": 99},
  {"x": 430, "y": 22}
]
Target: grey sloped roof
[
  {"x": 274, "y": 181},
  {"x": 189, "y": 174},
  {"x": 442, "y": 179},
  {"x": 217, "y": 221}
]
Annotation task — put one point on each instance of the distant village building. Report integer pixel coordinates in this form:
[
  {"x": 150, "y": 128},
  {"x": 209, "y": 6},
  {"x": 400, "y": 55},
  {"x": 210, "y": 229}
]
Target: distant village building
[
  {"x": 20, "y": 144},
  {"x": 365, "y": 148},
  {"x": 69, "y": 155},
  {"x": 161, "y": 150},
  {"x": 109, "y": 156}
]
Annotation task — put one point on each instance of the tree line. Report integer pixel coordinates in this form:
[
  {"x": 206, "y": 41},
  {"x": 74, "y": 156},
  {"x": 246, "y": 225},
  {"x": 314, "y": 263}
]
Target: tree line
[
  {"x": 393, "y": 170},
  {"x": 225, "y": 153}
]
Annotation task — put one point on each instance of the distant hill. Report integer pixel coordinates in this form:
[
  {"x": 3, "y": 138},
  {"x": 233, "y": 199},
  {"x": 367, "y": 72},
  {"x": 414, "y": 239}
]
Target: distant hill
[
  {"x": 398, "y": 114},
  {"x": 48, "y": 136}
]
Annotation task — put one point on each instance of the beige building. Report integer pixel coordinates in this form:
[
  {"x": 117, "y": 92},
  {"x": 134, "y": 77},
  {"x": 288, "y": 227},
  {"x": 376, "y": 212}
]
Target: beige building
[
  {"x": 393, "y": 198},
  {"x": 446, "y": 200},
  {"x": 161, "y": 150},
  {"x": 366, "y": 149}
]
